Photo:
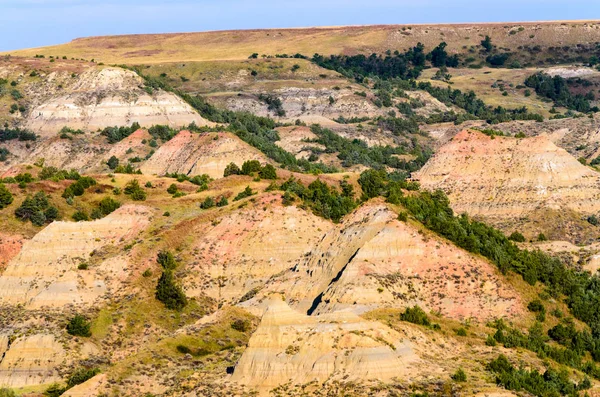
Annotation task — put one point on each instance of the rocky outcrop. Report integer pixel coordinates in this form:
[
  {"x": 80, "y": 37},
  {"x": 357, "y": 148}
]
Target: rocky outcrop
[
  {"x": 10, "y": 245},
  {"x": 194, "y": 154},
  {"x": 292, "y": 347},
  {"x": 372, "y": 260},
  {"x": 235, "y": 256},
  {"x": 502, "y": 177},
  {"x": 103, "y": 97},
  {"x": 45, "y": 272},
  {"x": 29, "y": 360}
]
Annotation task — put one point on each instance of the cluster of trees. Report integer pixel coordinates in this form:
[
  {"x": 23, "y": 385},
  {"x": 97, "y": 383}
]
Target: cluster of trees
[
  {"x": 557, "y": 89},
  {"x": 68, "y": 133},
  {"x": 201, "y": 181},
  {"x": 273, "y": 104},
  {"x": 356, "y": 151},
  {"x": 407, "y": 65},
  {"x": 255, "y": 130},
  {"x": 550, "y": 383},
  {"x": 211, "y": 202},
  {"x": 167, "y": 291},
  {"x": 251, "y": 167},
  {"x": 537, "y": 341},
  {"x": 56, "y": 175},
  {"x": 78, "y": 187},
  {"x": 8, "y": 134},
  {"x": 322, "y": 199},
  {"x": 580, "y": 289},
  {"x": 105, "y": 207},
  {"x": 117, "y": 134},
  {"x": 37, "y": 209},
  {"x": 475, "y": 107}
]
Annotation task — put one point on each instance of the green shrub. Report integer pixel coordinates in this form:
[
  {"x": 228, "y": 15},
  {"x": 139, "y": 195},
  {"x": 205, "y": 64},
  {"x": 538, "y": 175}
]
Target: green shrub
[
  {"x": 169, "y": 293},
  {"x": 222, "y": 202},
  {"x": 54, "y": 390},
  {"x": 232, "y": 169},
  {"x": 80, "y": 216},
  {"x": 4, "y": 392},
  {"x": 133, "y": 189},
  {"x": 461, "y": 332},
  {"x": 240, "y": 325},
  {"x": 82, "y": 266},
  {"x": 78, "y": 187},
  {"x": 36, "y": 209},
  {"x": 415, "y": 315},
  {"x": 172, "y": 189},
  {"x": 247, "y": 192},
  {"x": 251, "y": 166},
  {"x": 516, "y": 236},
  {"x": 147, "y": 273},
  {"x": 81, "y": 375},
  {"x": 208, "y": 203},
  {"x": 6, "y": 197},
  {"x": 166, "y": 260},
  {"x": 108, "y": 205},
  {"x": 490, "y": 341},
  {"x": 459, "y": 376},
  {"x": 268, "y": 172},
  {"x": 79, "y": 326}
]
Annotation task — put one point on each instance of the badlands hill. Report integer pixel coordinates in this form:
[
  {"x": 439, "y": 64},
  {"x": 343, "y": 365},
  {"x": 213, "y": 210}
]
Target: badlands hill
[
  {"x": 236, "y": 45},
  {"x": 501, "y": 178},
  {"x": 204, "y": 224}
]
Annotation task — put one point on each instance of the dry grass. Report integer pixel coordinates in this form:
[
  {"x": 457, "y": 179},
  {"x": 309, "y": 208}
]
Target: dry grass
[
  {"x": 236, "y": 45},
  {"x": 481, "y": 80}
]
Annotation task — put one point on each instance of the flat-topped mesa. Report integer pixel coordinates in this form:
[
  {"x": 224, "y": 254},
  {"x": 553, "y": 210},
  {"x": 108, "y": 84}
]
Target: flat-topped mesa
[{"x": 506, "y": 177}]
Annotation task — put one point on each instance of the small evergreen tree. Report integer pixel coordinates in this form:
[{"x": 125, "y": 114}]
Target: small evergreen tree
[
  {"x": 113, "y": 162},
  {"x": 79, "y": 326},
  {"x": 170, "y": 293},
  {"x": 268, "y": 172},
  {"x": 6, "y": 197},
  {"x": 231, "y": 169},
  {"x": 250, "y": 167}
]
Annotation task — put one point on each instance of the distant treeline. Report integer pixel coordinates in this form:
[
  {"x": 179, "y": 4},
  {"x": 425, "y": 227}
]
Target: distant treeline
[{"x": 557, "y": 89}]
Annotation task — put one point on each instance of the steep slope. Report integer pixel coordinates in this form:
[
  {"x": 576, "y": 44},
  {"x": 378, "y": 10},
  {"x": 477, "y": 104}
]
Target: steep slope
[
  {"x": 194, "y": 154},
  {"x": 291, "y": 347},
  {"x": 29, "y": 360},
  {"x": 107, "y": 97},
  {"x": 239, "y": 252},
  {"x": 372, "y": 260},
  {"x": 509, "y": 178},
  {"x": 45, "y": 272}
]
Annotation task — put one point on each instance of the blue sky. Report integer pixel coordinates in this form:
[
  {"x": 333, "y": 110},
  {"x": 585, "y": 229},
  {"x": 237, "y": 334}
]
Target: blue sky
[{"x": 34, "y": 23}]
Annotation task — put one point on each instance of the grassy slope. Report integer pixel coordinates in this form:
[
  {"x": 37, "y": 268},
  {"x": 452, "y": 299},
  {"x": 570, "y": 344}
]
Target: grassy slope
[{"x": 235, "y": 45}]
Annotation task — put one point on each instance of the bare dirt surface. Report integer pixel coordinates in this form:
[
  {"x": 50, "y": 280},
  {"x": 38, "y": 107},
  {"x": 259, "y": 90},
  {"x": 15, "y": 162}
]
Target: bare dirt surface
[{"x": 505, "y": 177}]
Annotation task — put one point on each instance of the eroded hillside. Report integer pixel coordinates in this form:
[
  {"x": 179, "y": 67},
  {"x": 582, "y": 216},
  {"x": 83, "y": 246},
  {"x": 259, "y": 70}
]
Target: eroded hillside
[{"x": 230, "y": 215}]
